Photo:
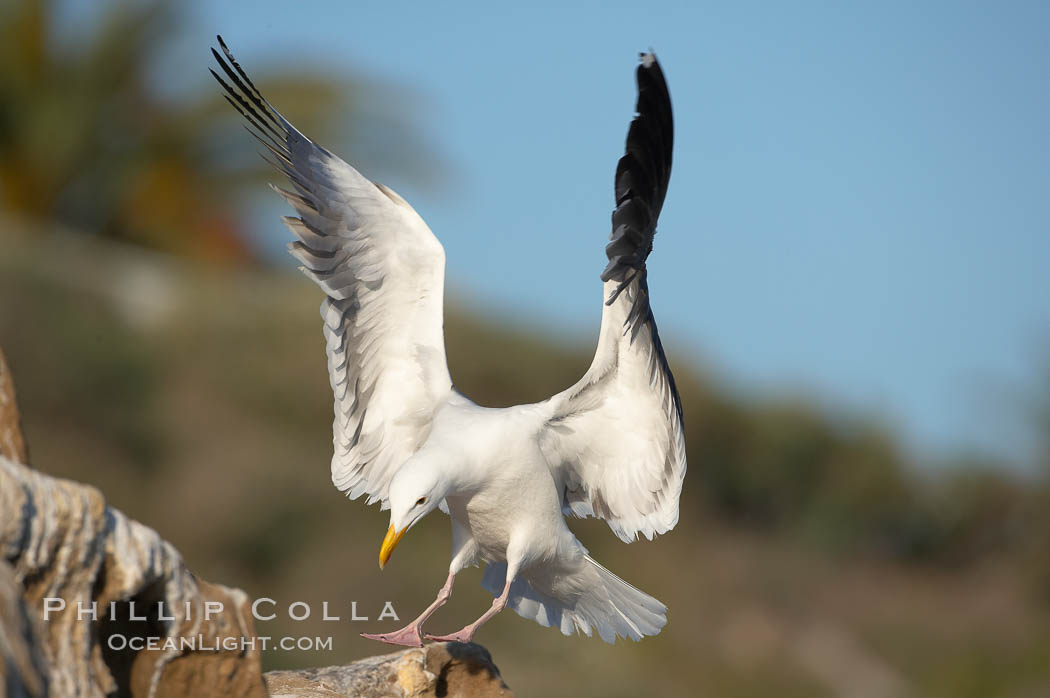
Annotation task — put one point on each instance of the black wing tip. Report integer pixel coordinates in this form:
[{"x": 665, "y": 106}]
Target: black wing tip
[
  {"x": 651, "y": 74},
  {"x": 642, "y": 176},
  {"x": 245, "y": 97},
  {"x": 649, "y": 65},
  {"x": 225, "y": 49},
  {"x": 651, "y": 135}
]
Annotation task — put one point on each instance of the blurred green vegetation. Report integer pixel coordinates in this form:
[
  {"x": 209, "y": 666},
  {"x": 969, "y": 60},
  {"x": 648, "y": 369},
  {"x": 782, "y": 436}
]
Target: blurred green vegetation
[{"x": 196, "y": 397}]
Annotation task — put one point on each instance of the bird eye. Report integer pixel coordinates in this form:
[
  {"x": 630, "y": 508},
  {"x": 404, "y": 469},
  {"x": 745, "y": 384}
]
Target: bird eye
[{"x": 421, "y": 501}]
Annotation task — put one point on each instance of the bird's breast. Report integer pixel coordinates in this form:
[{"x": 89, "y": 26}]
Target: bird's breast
[{"x": 489, "y": 522}]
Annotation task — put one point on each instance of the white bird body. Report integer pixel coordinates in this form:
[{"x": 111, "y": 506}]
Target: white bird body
[
  {"x": 507, "y": 513},
  {"x": 503, "y": 494},
  {"x": 610, "y": 446}
]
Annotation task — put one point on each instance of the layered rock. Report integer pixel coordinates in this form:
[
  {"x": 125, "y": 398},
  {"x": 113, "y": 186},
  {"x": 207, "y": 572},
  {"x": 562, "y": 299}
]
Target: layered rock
[
  {"x": 23, "y": 666},
  {"x": 81, "y": 565},
  {"x": 12, "y": 444}
]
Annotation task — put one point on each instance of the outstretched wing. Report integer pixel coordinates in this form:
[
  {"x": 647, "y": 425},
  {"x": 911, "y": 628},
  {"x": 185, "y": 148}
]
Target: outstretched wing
[
  {"x": 615, "y": 440},
  {"x": 382, "y": 271}
]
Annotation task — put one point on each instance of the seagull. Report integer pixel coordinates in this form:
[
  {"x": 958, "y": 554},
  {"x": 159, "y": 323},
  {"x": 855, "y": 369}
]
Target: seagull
[{"x": 611, "y": 446}]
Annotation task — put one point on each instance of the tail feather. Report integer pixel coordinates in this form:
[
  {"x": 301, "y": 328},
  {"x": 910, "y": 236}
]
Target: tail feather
[{"x": 592, "y": 600}]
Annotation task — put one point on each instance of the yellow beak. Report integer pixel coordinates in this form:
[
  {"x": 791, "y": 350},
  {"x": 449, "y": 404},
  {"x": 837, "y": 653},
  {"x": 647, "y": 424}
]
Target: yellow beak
[{"x": 389, "y": 543}]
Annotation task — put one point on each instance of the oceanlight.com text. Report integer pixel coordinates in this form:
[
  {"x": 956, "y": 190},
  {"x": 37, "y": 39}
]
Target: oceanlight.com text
[{"x": 199, "y": 643}]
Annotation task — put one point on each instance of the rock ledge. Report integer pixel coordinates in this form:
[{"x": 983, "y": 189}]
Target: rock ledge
[{"x": 443, "y": 669}]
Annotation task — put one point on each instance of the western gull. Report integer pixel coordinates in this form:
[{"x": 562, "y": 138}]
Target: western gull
[{"x": 610, "y": 446}]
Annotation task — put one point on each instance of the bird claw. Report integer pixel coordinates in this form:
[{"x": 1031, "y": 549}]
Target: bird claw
[
  {"x": 461, "y": 636},
  {"x": 406, "y": 637}
]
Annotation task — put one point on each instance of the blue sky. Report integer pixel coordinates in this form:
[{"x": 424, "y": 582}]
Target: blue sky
[{"x": 860, "y": 203}]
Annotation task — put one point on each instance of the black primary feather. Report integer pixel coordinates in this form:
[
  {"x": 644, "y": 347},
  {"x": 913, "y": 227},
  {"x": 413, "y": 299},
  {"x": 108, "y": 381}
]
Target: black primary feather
[
  {"x": 641, "y": 181},
  {"x": 265, "y": 124},
  {"x": 263, "y": 121},
  {"x": 642, "y": 176}
]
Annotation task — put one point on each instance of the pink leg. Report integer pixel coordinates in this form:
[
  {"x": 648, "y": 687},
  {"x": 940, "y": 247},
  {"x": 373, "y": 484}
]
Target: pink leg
[
  {"x": 467, "y": 633},
  {"x": 412, "y": 634}
]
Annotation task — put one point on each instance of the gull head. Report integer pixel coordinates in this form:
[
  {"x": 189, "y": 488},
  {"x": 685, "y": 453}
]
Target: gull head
[{"x": 416, "y": 489}]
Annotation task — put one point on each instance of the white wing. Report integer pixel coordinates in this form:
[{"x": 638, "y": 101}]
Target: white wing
[
  {"x": 383, "y": 273},
  {"x": 615, "y": 440}
]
